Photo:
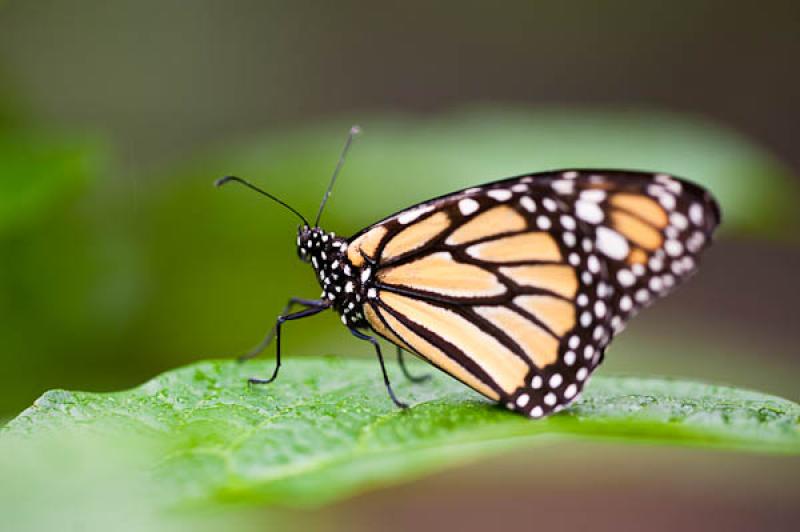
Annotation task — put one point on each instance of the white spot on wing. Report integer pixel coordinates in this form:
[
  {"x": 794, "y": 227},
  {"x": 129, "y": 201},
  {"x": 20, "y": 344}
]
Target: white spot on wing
[
  {"x": 409, "y": 216},
  {"x": 669, "y": 182},
  {"x": 625, "y": 278},
  {"x": 528, "y": 204},
  {"x": 667, "y": 200},
  {"x": 588, "y": 352},
  {"x": 673, "y": 248},
  {"x": 696, "y": 214},
  {"x": 594, "y": 195},
  {"x": 543, "y": 223},
  {"x": 656, "y": 284},
  {"x": 600, "y": 309},
  {"x": 500, "y": 194},
  {"x": 468, "y": 206},
  {"x": 656, "y": 264},
  {"x": 603, "y": 289},
  {"x": 695, "y": 242},
  {"x": 563, "y": 186},
  {"x": 642, "y": 295},
  {"x": 588, "y": 212},
  {"x": 611, "y": 243}
]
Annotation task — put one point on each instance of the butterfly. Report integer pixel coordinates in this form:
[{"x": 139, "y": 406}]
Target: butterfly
[{"x": 515, "y": 287}]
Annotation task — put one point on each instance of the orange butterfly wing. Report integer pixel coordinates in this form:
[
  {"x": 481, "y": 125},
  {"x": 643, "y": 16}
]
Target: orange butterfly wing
[{"x": 516, "y": 287}]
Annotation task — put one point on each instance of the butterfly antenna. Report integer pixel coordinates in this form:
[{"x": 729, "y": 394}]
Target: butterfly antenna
[
  {"x": 354, "y": 131},
  {"x": 228, "y": 178}
]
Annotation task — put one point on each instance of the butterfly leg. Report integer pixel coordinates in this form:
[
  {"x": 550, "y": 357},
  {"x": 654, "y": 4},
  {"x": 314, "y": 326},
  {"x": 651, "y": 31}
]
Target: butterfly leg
[
  {"x": 281, "y": 319},
  {"x": 308, "y": 303},
  {"x": 409, "y": 376},
  {"x": 374, "y": 342}
]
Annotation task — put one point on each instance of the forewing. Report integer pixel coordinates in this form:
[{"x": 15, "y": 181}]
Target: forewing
[{"x": 516, "y": 287}]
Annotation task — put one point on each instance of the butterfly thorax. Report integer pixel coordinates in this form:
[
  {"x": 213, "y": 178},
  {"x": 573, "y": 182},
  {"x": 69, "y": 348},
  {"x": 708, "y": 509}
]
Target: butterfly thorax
[{"x": 341, "y": 282}]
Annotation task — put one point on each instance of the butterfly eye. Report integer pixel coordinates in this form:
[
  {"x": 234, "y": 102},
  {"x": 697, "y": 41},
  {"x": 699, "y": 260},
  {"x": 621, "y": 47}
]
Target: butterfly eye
[
  {"x": 302, "y": 251},
  {"x": 303, "y": 241}
]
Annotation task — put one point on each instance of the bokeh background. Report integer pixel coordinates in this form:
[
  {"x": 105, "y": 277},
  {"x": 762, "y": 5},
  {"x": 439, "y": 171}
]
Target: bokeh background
[{"x": 119, "y": 260}]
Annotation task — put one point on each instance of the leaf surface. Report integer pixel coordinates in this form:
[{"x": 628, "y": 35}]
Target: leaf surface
[{"x": 326, "y": 428}]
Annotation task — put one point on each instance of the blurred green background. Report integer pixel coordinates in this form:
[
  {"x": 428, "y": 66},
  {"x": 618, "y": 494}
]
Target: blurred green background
[{"x": 119, "y": 260}]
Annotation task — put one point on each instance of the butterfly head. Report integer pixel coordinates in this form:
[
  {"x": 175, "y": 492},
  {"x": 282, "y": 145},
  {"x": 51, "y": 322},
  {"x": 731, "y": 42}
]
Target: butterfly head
[
  {"x": 342, "y": 283},
  {"x": 316, "y": 246},
  {"x": 320, "y": 248}
]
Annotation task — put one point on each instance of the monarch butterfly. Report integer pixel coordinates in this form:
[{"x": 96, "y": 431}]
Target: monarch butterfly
[{"x": 515, "y": 287}]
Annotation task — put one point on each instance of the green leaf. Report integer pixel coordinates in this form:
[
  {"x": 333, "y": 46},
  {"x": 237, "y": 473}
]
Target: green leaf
[{"x": 327, "y": 429}]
